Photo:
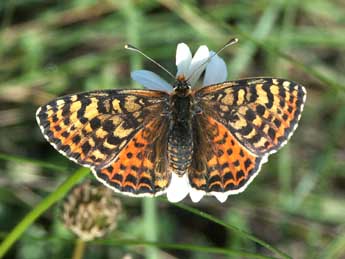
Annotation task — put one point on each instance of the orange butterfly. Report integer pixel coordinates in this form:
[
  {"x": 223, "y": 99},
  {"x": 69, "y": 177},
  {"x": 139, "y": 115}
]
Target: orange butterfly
[{"x": 177, "y": 139}]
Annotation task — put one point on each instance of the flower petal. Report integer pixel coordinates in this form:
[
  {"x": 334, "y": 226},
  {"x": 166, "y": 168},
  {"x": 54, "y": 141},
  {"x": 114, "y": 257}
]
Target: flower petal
[
  {"x": 216, "y": 71},
  {"x": 178, "y": 188},
  {"x": 222, "y": 197},
  {"x": 196, "y": 195},
  {"x": 183, "y": 59},
  {"x": 198, "y": 64},
  {"x": 151, "y": 80}
]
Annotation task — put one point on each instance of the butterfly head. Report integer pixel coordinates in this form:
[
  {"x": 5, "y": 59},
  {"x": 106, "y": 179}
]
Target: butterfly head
[{"x": 181, "y": 83}]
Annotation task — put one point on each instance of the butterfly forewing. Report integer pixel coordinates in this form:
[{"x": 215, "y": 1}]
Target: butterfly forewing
[
  {"x": 92, "y": 128},
  {"x": 261, "y": 113}
]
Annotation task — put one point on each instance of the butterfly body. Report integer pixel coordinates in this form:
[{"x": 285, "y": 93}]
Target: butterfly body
[
  {"x": 180, "y": 143},
  {"x": 217, "y": 136}
]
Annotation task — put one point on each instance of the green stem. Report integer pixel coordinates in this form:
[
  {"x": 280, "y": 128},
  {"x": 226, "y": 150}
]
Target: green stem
[
  {"x": 149, "y": 204},
  {"x": 79, "y": 249},
  {"x": 133, "y": 33},
  {"x": 150, "y": 219},
  {"x": 284, "y": 156},
  {"x": 232, "y": 228},
  {"x": 45, "y": 204}
]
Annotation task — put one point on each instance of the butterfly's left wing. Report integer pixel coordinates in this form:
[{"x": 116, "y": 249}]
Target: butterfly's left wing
[{"x": 92, "y": 128}]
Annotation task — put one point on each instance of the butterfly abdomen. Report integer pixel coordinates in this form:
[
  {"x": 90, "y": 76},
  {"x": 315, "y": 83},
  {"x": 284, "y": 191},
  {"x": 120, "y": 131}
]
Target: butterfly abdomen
[{"x": 180, "y": 141}]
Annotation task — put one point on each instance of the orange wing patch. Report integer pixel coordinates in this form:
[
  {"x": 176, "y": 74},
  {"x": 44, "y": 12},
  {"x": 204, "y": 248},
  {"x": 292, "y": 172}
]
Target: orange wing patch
[
  {"x": 140, "y": 168},
  {"x": 220, "y": 163}
]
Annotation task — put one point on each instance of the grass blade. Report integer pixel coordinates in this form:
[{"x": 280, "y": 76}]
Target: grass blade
[{"x": 44, "y": 205}]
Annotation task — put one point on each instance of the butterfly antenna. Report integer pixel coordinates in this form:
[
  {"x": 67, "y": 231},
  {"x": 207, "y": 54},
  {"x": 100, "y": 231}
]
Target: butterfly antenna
[
  {"x": 229, "y": 43},
  {"x": 130, "y": 47}
]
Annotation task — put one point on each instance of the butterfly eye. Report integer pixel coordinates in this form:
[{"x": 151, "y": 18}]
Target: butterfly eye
[{"x": 181, "y": 84}]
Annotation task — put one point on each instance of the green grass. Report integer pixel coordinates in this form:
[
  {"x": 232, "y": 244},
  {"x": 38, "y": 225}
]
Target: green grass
[{"x": 293, "y": 208}]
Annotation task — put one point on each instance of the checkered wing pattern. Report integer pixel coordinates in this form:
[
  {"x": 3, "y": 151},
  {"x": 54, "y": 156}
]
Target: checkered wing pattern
[
  {"x": 261, "y": 113},
  {"x": 220, "y": 163},
  {"x": 141, "y": 167},
  {"x": 92, "y": 128},
  {"x": 240, "y": 123}
]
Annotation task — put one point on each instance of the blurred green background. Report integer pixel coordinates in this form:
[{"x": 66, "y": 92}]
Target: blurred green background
[{"x": 51, "y": 48}]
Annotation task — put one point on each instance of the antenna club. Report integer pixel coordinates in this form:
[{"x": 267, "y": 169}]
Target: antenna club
[
  {"x": 130, "y": 47},
  {"x": 231, "y": 42}
]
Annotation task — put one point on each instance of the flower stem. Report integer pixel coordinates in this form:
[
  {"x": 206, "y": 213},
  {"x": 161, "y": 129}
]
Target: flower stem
[
  {"x": 79, "y": 249},
  {"x": 150, "y": 219}
]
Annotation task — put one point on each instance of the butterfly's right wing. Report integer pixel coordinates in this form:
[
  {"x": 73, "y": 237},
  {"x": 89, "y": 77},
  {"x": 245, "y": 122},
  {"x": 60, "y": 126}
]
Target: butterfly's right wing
[
  {"x": 261, "y": 113},
  {"x": 238, "y": 125},
  {"x": 92, "y": 128}
]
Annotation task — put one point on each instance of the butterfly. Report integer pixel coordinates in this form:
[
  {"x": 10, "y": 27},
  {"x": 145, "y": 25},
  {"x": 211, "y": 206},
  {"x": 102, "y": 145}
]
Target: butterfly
[{"x": 212, "y": 139}]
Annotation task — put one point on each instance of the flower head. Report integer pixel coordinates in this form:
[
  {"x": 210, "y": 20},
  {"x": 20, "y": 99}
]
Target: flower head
[
  {"x": 189, "y": 68},
  {"x": 90, "y": 211}
]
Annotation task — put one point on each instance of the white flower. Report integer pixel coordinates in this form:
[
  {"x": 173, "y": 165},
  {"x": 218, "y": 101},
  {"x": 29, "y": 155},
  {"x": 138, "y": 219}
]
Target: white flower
[
  {"x": 178, "y": 188},
  {"x": 189, "y": 68}
]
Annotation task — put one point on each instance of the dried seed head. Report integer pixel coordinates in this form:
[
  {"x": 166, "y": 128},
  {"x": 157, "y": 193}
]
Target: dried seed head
[{"x": 91, "y": 211}]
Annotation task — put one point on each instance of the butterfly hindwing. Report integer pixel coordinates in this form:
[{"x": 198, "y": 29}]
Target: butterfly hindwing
[
  {"x": 92, "y": 128},
  {"x": 141, "y": 167},
  {"x": 220, "y": 163},
  {"x": 261, "y": 113}
]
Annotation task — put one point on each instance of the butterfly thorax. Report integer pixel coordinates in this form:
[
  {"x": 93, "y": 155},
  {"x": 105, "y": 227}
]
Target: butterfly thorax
[{"x": 180, "y": 143}]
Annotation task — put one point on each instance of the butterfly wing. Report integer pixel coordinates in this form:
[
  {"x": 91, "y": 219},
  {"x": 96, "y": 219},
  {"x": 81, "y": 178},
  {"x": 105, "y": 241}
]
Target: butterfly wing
[
  {"x": 240, "y": 124},
  {"x": 261, "y": 113},
  {"x": 140, "y": 169},
  {"x": 220, "y": 163},
  {"x": 92, "y": 128}
]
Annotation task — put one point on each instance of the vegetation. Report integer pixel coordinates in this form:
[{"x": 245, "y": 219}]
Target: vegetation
[{"x": 293, "y": 209}]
